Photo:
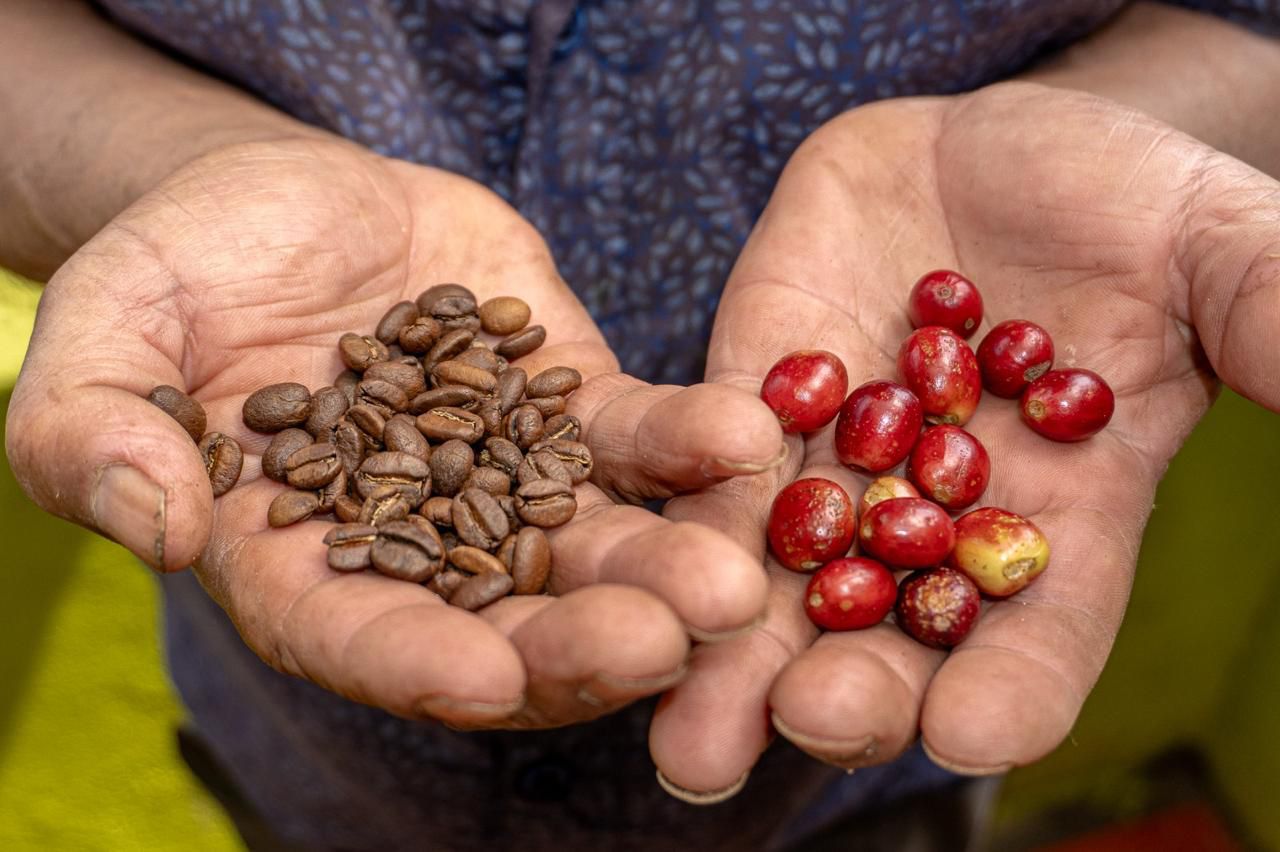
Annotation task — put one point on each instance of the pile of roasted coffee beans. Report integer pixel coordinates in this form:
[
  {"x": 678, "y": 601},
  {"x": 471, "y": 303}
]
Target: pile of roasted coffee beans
[
  {"x": 906, "y": 524},
  {"x": 441, "y": 463}
]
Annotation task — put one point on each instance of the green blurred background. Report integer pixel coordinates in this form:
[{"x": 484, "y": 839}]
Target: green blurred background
[{"x": 87, "y": 751}]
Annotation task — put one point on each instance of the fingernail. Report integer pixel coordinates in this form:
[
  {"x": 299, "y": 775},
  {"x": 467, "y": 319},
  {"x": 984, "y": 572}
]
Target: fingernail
[
  {"x": 443, "y": 707},
  {"x": 960, "y": 769},
  {"x": 130, "y": 508},
  {"x": 709, "y": 797},
  {"x": 620, "y": 683},
  {"x": 847, "y": 754},
  {"x": 711, "y": 637},
  {"x": 717, "y": 466}
]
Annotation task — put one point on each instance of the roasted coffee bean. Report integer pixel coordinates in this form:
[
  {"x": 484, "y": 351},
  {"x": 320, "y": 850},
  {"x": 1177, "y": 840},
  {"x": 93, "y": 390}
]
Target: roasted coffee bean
[
  {"x": 290, "y": 507},
  {"x": 399, "y": 315},
  {"x": 548, "y": 406},
  {"x": 346, "y": 508},
  {"x": 576, "y": 457},
  {"x": 350, "y": 443},
  {"x": 478, "y": 519},
  {"x": 553, "y": 381},
  {"x": 407, "y": 551},
  {"x": 473, "y": 560},
  {"x": 506, "y": 551},
  {"x": 440, "y": 293},
  {"x": 523, "y": 426},
  {"x": 450, "y": 345},
  {"x": 313, "y": 467},
  {"x": 383, "y": 396},
  {"x": 330, "y": 493},
  {"x": 409, "y": 474},
  {"x": 359, "y": 351},
  {"x": 449, "y": 537},
  {"x": 394, "y": 353},
  {"x": 451, "y": 464},
  {"x": 481, "y": 590},
  {"x": 384, "y": 504},
  {"x": 328, "y": 405},
  {"x": 456, "y": 373},
  {"x": 530, "y": 561},
  {"x": 173, "y": 402},
  {"x": 452, "y": 396},
  {"x": 488, "y": 479},
  {"x": 420, "y": 335},
  {"x": 346, "y": 382},
  {"x": 446, "y": 424},
  {"x": 489, "y": 411},
  {"x": 479, "y": 355},
  {"x": 543, "y": 464},
  {"x": 349, "y": 546},
  {"x": 564, "y": 427},
  {"x": 222, "y": 461},
  {"x": 284, "y": 444},
  {"x": 438, "y": 510},
  {"x": 370, "y": 421},
  {"x": 401, "y": 435},
  {"x": 510, "y": 389},
  {"x": 508, "y": 504},
  {"x": 545, "y": 503},
  {"x": 504, "y": 315},
  {"x": 277, "y": 407},
  {"x": 501, "y": 454},
  {"x": 446, "y": 582},
  {"x": 407, "y": 376},
  {"x": 522, "y": 342}
]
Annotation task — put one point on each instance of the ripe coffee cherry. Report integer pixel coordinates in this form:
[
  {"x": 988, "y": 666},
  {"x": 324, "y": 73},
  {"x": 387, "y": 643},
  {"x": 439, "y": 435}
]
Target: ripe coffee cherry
[
  {"x": 948, "y": 299},
  {"x": 850, "y": 594},
  {"x": 938, "y": 608},
  {"x": 942, "y": 371},
  {"x": 1012, "y": 355},
  {"x": 812, "y": 523},
  {"x": 907, "y": 532},
  {"x": 805, "y": 389},
  {"x": 999, "y": 551},
  {"x": 950, "y": 467},
  {"x": 1068, "y": 405},
  {"x": 877, "y": 427},
  {"x": 885, "y": 488}
]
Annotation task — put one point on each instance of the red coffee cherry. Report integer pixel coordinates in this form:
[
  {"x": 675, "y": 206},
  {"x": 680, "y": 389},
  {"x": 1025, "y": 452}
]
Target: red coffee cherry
[
  {"x": 812, "y": 523},
  {"x": 805, "y": 389},
  {"x": 938, "y": 608},
  {"x": 950, "y": 467},
  {"x": 877, "y": 427},
  {"x": 850, "y": 594},
  {"x": 942, "y": 371},
  {"x": 948, "y": 299},
  {"x": 907, "y": 532},
  {"x": 1012, "y": 355},
  {"x": 1068, "y": 405},
  {"x": 999, "y": 551},
  {"x": 885, "y": 488}
]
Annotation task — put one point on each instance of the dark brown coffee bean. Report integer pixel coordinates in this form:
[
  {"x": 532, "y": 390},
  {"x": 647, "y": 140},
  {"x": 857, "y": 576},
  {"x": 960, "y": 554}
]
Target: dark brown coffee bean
[
  {"x": 455, "y": 310},
  {"x": 576, "y": 457},
  {"x": 438, "y": 510},
  {"x": 359, "y": 351},
  {"x": 508, "y": 504},
  {"x": 346, "y": 508},
  {"x": 290, "y": 507},
  {"x": 349, "y": 546},
  {"x": 173, "y": 402},
  {"x": 506, "y": 551},
  {"x": 313, "y": 467},
  {"x": 351, "y": 444},
  {"x": 446, "y": 582},
  {"x": 473, "y": 560},
  {"x": 330, "y": 493},
  {"x": 406, "y": 376},
  {"x": 284, "y": 444},
  {"x": 449, "y": 537},
  {"x": 399, "y": 315},
  {"x": 409, "y": 474},
  {"x": 521, "y": 343},
  {"x": 548, "y": 406},
  {"x": 553, "y": 381},
  {"x": 563, "y": 427},
  {"x": 451, "y": 464},
  {"x": 455, "y": 373},
  {"x": 346, "y": 382},
  {"x": 510, "y": 389},
  {"x": 453, "y": 396},
  {"x": 222, "y": 461},
  {"x": 395, "y": 353},
  {"x": 450, "y": 345},
  {"x": 407, "y": 551},
  {"x": 479, "y": 355},
  {"x": 446, "y": 424},
  {"x": 401, "y": 435},
  {"x": 489, "y": 411},
  {"x": 420, "y": 335},
  {"x": 501, "y": 454},
  {"x": 328, "y": 405},
  {"x": 428, "y": 298},
  {"x": 543, "y": 464},
  {"x": 277, "y": 407},
  {"x": 478, "y": 519},
  {"x": 481, "y": 590},
  {"x": 383, "y": 396},
  {"x": 523, "y": 426},
  {"x": 545, "y": 503},
  {"x": 531, "y": 561},
  {"x": 488, "y": 479},
  {"x": 504, "y": 315},
  {"x": 370, "y": 421},
  {"x": 384, "y": 504}
]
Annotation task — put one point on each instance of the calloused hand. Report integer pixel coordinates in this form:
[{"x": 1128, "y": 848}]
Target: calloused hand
[
  {"x": 1149, "y": 257},
  {"x": 242, "y": 269}
]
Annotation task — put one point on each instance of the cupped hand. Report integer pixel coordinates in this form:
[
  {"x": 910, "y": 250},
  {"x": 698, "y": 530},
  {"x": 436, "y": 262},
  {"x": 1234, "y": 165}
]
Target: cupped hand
[
  {"x": 242, "y": 269},
  {"x": 1151, "y": 259}
]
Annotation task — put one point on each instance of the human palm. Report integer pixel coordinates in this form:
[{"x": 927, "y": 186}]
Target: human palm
[{"x": 1150, "y": 258}]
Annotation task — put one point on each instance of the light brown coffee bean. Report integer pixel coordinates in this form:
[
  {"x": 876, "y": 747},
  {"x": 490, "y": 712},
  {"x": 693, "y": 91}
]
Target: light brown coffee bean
[
  {"x": 290, "y": 507},
  {"x": 223, "y": 460},
  {"x": 284, "y": 444},
  {"x": 385, "y": 397},
  {"x": 478, "y": 519},
  {"x": 438, "y": 510},
  {"x": 479, "y": 355},
  {"x": 329, "y": 494},
  {"x": 501, "y": 454},
  {"x": 504, "y": 315},
  {"x": 564, "y": 427},
  {"x": 473, "y": 560},
  {"x": 545, "y": 503},
  {"x": 523, "y": 426},
  {"x": 313, "y": 467},
  {"x": 543, "y": 464},
  {"x": 385, "y": 504},
  {"x": 481, "y": 590},
  {"x": 370, "y": 421},
  {"x": 510, "y": 389},
  {"x": 406, "y": 376},
  {"x": 349, "y": 546},
  {"x": 530, "y": 561},
  {"x": 173, "y": 402},
  {"x": 420, "y": 335},
  {"x": 490, "y": 413},
  {"x": 359, "y": 351},
  {"x": 553, "y": 381},
  {"x": 488, "y": 479},
  {"x": 396, "y": 318},
  {"x": 277, "y": 407},
  {"x": 508, "y": 504},
  {"x": 506, "y": 551},
  {"x": 521, "y": 343},
  {"x": 451, "y": 464},
  {"x": 401, "y": 435},
  {"x": 446, "y": 424},
  {"x": 409, "y": 474},
  {"x": 456, "y": 373},
  {"x": 446, "y": 582},
  {"x": 548, "y": 406},
  {"x": 346, "y": 508},
  {"x": 576, "y": 456},
  {"x": 407, "y": 551},
  {"x": 452, "y": 396},
  {"x": 328, "y": 405},
  {"x": 450, "y": 345}
]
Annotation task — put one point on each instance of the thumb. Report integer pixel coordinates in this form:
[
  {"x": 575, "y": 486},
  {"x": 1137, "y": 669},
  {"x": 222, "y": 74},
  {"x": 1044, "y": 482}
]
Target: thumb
[{"x": 82, "y": 439}]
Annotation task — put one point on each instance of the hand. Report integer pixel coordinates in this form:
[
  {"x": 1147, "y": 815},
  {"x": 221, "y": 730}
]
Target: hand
[
  {"x": 242, "y": 269},
  {"x": 1149, "y": 257}
]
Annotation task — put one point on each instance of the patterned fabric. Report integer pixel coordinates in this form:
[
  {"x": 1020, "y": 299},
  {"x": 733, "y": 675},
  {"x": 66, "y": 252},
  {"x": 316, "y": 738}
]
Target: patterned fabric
[{"x": 643, "y": 140}]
